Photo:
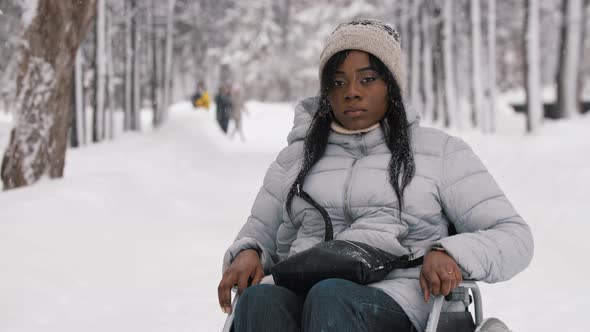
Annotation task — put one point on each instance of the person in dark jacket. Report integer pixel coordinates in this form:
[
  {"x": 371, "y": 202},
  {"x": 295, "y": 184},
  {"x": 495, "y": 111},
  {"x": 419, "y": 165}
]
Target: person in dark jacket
[
  {"x": 224, "y": 106},
  {"x": 385, "y": 181}
]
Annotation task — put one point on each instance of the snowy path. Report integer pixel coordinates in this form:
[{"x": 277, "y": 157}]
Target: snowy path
[{"x": 132, "y": 238}]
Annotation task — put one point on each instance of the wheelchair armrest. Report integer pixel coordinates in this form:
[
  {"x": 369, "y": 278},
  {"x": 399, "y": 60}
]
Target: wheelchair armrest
[{"x": 434, "y": 316}]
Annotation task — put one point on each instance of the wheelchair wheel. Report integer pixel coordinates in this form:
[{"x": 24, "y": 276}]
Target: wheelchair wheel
[{"x": 492, "y": 325}]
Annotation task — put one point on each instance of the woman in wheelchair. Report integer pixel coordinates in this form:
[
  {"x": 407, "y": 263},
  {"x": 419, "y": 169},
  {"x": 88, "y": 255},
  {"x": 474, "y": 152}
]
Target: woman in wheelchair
[{"x": 383, "y": 180}]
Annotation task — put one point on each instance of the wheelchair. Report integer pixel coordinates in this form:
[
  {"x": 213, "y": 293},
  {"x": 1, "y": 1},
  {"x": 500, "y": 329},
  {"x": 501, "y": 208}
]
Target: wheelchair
[
  {"x": 439, "y": 320},
  {"x": 462, "y": 321}
]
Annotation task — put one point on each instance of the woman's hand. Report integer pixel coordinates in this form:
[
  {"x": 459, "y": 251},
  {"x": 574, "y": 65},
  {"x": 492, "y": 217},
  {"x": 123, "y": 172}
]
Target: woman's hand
[
  {"x": 245, "y": 267},
  {"x": 440, "y": 274}
]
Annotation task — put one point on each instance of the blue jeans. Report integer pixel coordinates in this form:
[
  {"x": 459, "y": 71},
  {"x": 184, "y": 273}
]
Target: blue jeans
[{"x": 331, "y": 305}]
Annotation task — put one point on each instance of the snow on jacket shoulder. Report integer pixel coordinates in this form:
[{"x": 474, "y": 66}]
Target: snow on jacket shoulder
[{"x": 350, "y": 181}]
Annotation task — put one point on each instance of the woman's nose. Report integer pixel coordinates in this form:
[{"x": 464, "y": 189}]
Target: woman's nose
[{"x": 352, "y": 91}]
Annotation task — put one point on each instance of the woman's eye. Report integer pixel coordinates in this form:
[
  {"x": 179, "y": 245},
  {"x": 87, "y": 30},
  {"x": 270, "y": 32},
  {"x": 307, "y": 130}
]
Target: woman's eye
[
  {"x": 368, "y": 79},
  {"x": 337, "y": 83}
]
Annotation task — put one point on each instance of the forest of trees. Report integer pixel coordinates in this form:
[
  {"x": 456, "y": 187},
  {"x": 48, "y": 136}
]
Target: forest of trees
[{"x": 102, "y": 61}]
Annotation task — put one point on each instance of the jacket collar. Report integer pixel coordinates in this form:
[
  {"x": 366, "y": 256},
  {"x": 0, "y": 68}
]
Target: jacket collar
[{"x": 341, "y": 130}]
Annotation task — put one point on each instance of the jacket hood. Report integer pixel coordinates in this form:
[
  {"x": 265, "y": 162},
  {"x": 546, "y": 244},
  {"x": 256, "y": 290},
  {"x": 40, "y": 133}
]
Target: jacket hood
[{"x": 305, "y": 110}]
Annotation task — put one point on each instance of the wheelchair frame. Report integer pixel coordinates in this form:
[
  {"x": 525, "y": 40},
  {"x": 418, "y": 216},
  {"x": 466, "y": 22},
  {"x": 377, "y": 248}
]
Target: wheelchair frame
[{"x": 434, "y": 317}]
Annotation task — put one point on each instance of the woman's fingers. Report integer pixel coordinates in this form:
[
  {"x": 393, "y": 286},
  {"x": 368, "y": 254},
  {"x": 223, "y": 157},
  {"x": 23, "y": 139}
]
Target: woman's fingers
[
  {"x": 454, "y": 283},
  {"x": 440, "y": 273},
  {"x": 455, "y": 275},
  {"x": 425, "y": 288},
  {"x": 242, "y": 282},
  {"x": 429, "y": 281},
  {"x": 446, "y": 278},
  {"x": 230, "y": 278},
  {"x": 245, "y": 265},
  {"x": 224, "y": 292},
  {"x": 435, "y": 283},
  {"x": 258, "y": 275},
  {"x": 451, "y": 277}
]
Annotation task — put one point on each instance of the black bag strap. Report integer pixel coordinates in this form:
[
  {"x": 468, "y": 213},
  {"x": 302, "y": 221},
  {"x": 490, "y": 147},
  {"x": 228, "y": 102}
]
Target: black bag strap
[
  {"x": 403, "y": 262},
  {"x": 329, "y": 231}
]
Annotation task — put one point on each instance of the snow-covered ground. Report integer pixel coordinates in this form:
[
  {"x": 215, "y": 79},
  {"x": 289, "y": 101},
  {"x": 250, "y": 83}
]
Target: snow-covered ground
[{"x": 132, "y": 238}]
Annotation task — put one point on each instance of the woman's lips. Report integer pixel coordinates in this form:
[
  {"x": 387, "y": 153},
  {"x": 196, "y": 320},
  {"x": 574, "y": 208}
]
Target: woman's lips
[{"x": 353, "y": 112}]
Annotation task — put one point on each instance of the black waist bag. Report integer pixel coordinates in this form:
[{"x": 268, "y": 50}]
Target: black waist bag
[{"x": 350, "y": 260}]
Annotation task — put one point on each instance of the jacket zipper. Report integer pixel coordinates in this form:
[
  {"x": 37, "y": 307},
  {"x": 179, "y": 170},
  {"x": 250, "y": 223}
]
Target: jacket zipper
[
  {"x": 361, "y": 138},
  {"x": 347, "y": 186}
]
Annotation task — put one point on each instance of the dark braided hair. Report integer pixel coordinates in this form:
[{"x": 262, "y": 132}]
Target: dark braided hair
[{"x": 395, "y": 125}]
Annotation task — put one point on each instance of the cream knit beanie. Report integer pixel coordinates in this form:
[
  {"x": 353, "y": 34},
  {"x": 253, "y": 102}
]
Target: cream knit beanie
[{"x": 371, "y": 36}]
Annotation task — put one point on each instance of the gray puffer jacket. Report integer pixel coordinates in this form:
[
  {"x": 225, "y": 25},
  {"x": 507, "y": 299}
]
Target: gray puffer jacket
[{"x": 451, "y": 185}]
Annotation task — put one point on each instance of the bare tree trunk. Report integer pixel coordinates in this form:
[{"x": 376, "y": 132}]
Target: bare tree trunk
[
  {"x": 415, "y": 97},
  {"x": 492, "y": 89},
  {"x": 38, "y": 141},
  {"x": 568, "y": 82},
  {"x": 449, "y": 71},
  {"x": 439, "y": 108},
  {"x": 168, "y": 57},
  {"x": 200, "y": 40},
  {"x": 73, "y": 119},
  {"x": 585, "y": 27},
  {"x": 404, "y": 8},
  {"x": 283, "y": 16},
  {"x": 427, "y": 86},
  {"x": 534, "y": 108},
  {"x": 161, "y": 55},
  {"x": 156, "y": 121},
  {"x": 136, "y": 70},
  {"x": 98, "y": 112},
  {"x": 110, "y": 84},
  {"x": 130, "y": 10},
  {"x": 134, "y": 107},
  {"x": 463, "y": 69},
  {"x": 476, "y": 78},
  {"x": 79, "y": 86}
]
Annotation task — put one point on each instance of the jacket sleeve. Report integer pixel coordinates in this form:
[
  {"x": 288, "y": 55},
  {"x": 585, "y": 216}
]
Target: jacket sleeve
[
  {"x": 493, "y": 243},
  {"x": 260, "y": 230}
]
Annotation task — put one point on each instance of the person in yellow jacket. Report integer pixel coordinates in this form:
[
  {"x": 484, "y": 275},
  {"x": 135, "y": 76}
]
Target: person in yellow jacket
[{"x": 201, "y": 97}]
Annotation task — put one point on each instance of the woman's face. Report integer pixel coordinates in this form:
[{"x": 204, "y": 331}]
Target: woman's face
[{"x": 357, "y": 94}]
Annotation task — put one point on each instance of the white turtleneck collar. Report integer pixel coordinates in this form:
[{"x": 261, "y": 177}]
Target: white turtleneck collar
[{"x": 341, "y": 130}]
